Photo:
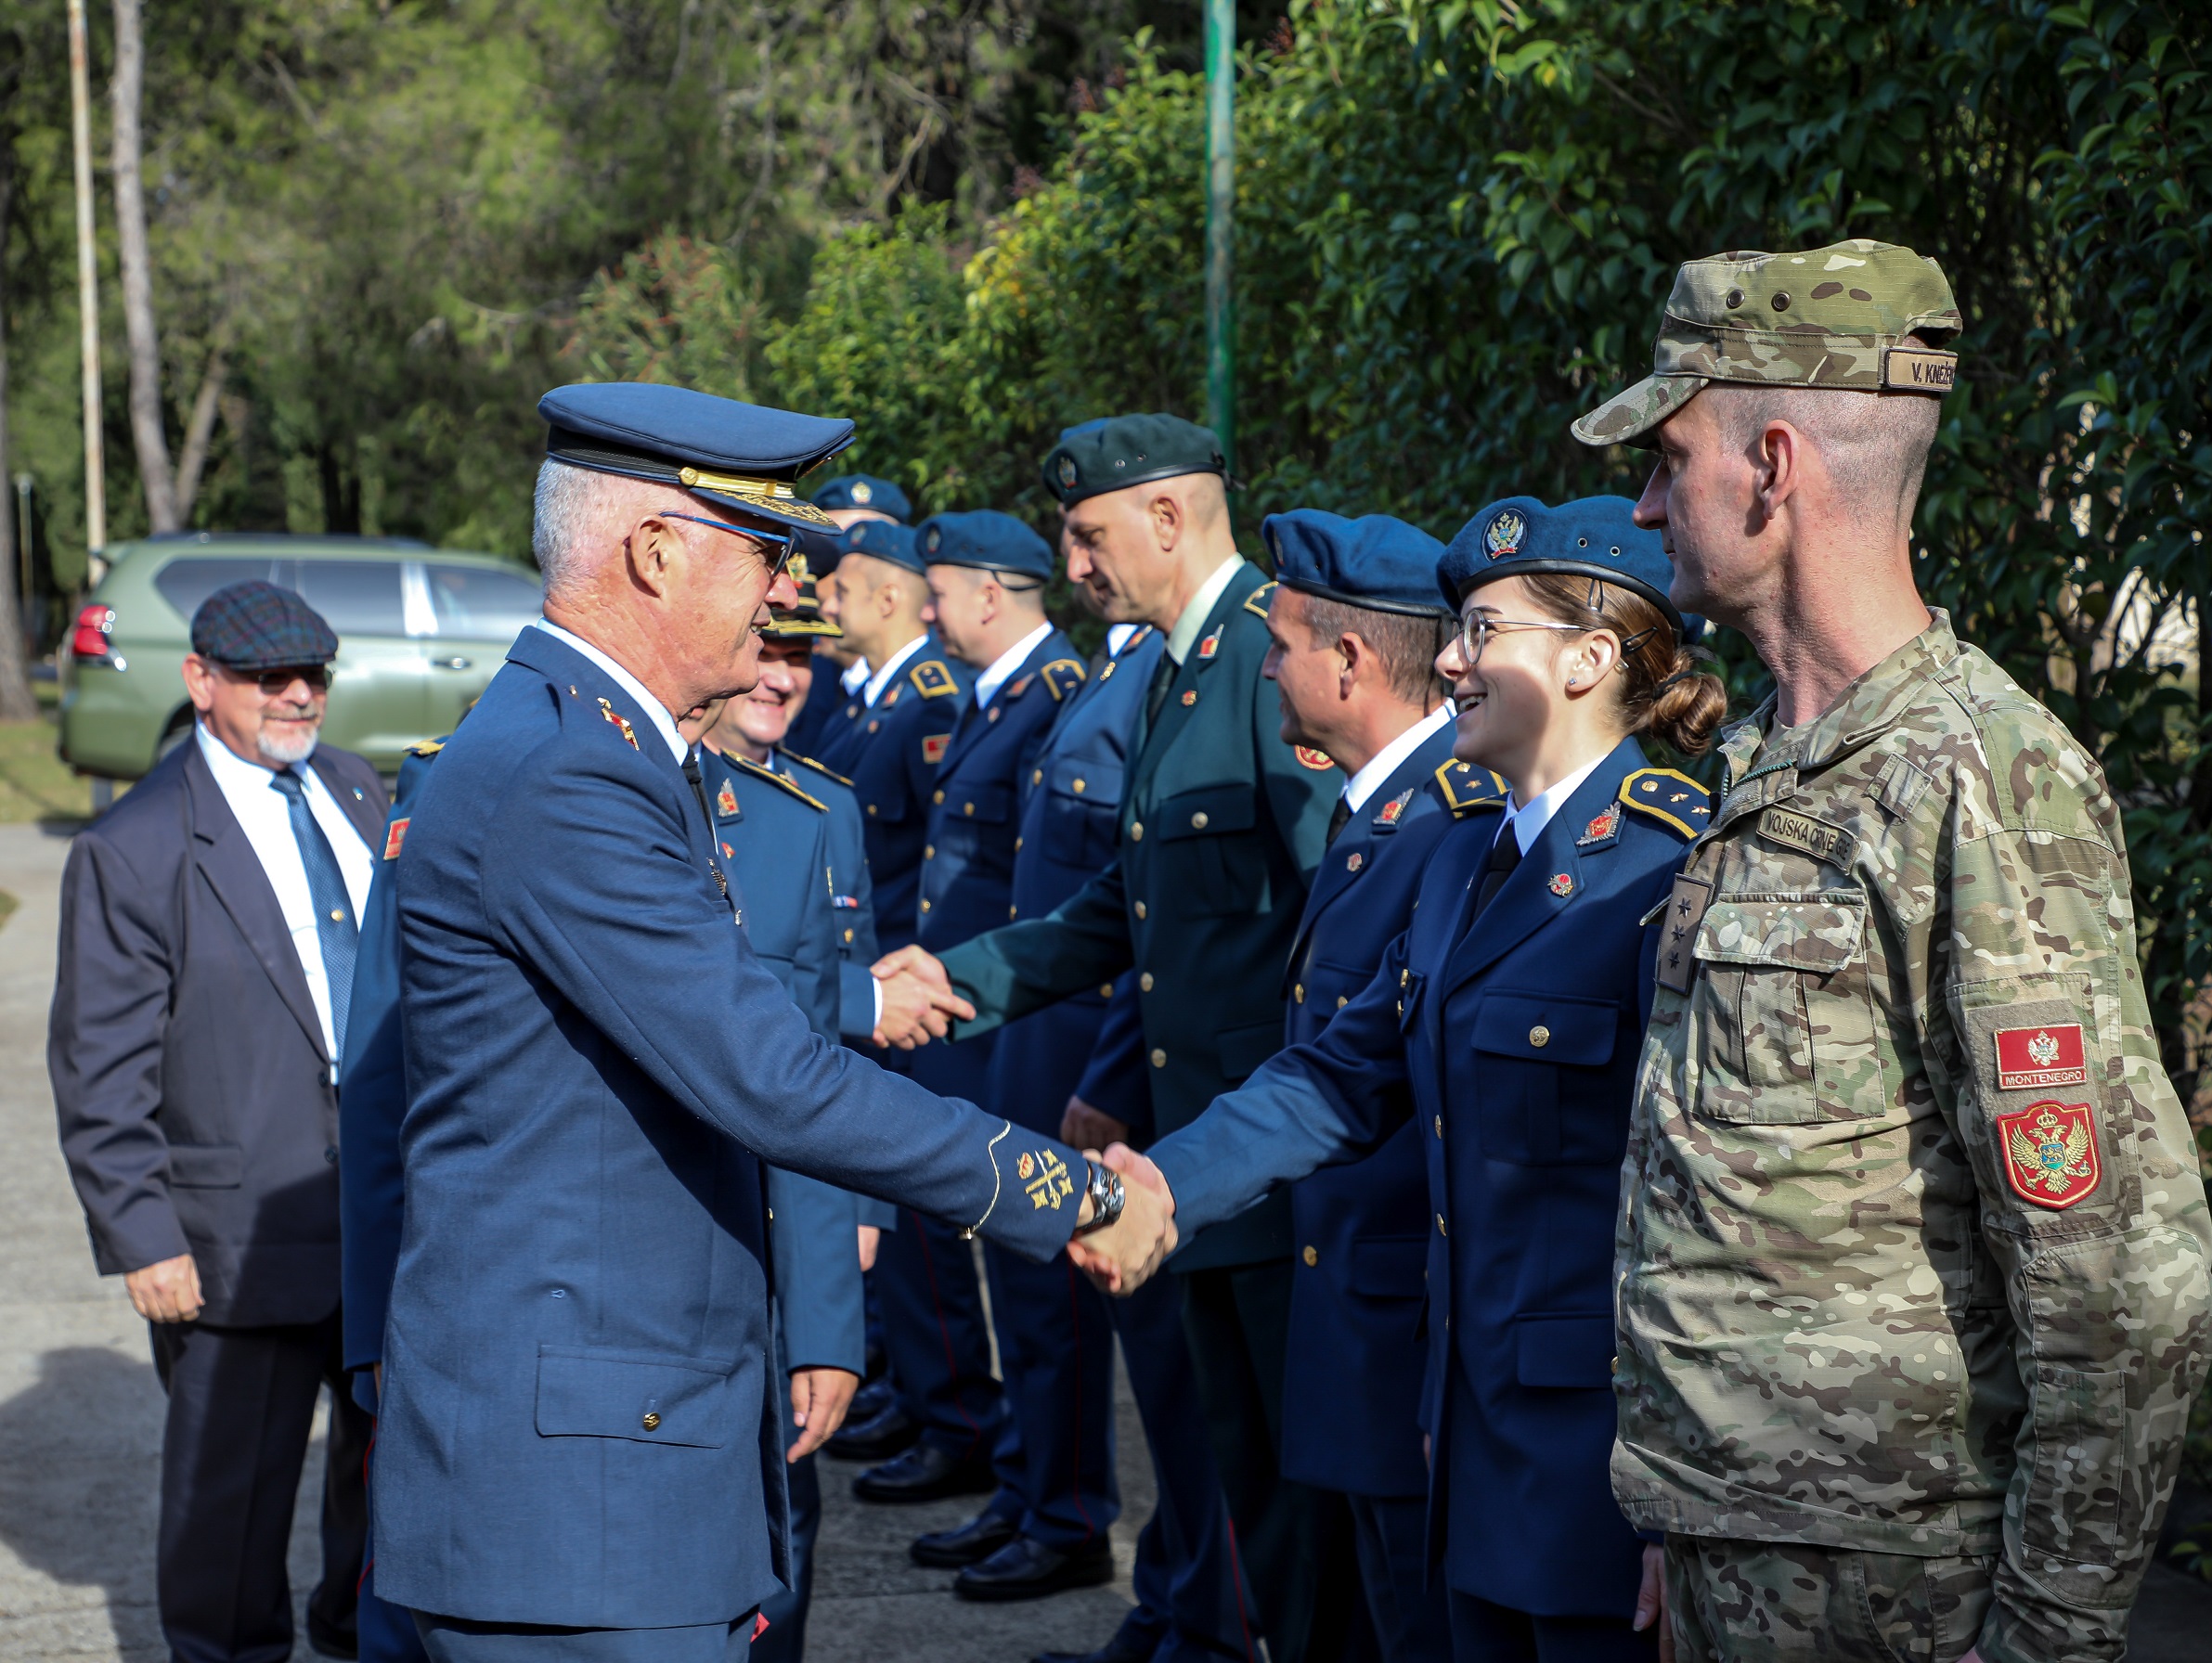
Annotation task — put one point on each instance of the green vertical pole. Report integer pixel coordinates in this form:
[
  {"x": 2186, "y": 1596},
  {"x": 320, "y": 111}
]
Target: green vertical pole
[{"x": 1221, "y": 208}]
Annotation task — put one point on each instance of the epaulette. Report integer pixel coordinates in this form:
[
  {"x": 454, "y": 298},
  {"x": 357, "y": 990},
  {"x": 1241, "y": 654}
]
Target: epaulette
[
  {"x": 827, "y": 773},
  {"x": 1256, "y": 602},
  {"x": 1469, "y": 790},
  {"x": 429, "y": 747},
  {"x": 1666, "y": 796},
  {"x": 789, "y": 785},
  {"x": 1062, "y": 677},
  {"x": 932, "y": 679}
]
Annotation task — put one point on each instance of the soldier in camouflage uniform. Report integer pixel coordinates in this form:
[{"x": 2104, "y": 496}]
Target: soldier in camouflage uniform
[{"x": 1912, "y": 1292}]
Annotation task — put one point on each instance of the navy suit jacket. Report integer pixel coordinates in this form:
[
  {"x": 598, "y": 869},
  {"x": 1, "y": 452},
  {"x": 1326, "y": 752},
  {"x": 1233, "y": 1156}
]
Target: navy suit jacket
[
  {"x": 1351, "y": 1399},
  {"x": 1516, "y": 1042},
  {"x": 890, "y": 752},
  {"x": 578, "y": 1425}
]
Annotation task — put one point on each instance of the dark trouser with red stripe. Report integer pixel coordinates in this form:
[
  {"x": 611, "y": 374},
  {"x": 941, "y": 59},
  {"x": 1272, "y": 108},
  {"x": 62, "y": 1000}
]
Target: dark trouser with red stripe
[
  {"x": 939, "y": 1343},
  {"x": 1056, "y": 1347}
]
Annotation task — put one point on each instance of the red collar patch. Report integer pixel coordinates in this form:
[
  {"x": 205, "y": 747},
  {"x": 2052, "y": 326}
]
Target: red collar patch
[
  {"x": 1563, "y": 885},
  {"x": 2049, "y": 1150},
  {"x": 1211, "y": 645},
  {"x": 933, "y": 747},
  {"x": 1603, "y": 826},
  {"x": 2034, "y": 1059},
  {"x": 396, "y": 834},
  {"x": 725, "y": 801}
]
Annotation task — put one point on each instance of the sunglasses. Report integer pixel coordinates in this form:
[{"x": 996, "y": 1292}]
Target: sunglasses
[{"x": 273, "y": 682}]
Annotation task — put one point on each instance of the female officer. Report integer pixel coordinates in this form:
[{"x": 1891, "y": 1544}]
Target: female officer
[{"x": 1513, "y": 1008}]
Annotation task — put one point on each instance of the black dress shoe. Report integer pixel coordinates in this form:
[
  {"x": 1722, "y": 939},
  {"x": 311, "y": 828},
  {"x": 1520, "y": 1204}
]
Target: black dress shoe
[
  {"x": 870, "y": 1402},
  {"x": 876, "y": 1439},
  {"x": 1135, "y": 1641},
  {"x": 1027, "y": 1570},
  {"x": 949, "y": 1550},
  {"x": 331, "y": 1639},
  {"x": 926, "y": 1473}
]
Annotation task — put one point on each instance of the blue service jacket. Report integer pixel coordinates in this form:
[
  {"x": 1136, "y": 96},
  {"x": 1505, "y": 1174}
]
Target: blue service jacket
[
  {"x": 803, "y": 738},
  {"x": 577, "y": 1427},
  {"x": 1516, "y": 1042},
  {"x": 1070, "y": 815},
  {"x": 1351, "y": 1399},
  {"x": 1221, "y": 826},
  {"x": 890, "y": 752}
]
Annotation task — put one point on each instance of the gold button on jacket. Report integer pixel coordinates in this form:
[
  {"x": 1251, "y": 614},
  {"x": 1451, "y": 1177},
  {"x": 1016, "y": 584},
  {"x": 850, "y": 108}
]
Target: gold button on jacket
[
  {"x": 1312, "y": 1255},
  {"x": 1159, "y": 1059},
  {"x": 652, "y": 1422}
]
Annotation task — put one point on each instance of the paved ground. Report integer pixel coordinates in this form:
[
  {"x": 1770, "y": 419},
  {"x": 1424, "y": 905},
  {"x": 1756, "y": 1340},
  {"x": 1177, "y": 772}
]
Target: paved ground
[{"x": 80, "y": 1428}]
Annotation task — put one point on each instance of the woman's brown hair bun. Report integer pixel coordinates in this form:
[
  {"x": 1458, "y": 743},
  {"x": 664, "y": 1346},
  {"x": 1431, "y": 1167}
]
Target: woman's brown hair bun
[{"x": 1665, "y": 689}]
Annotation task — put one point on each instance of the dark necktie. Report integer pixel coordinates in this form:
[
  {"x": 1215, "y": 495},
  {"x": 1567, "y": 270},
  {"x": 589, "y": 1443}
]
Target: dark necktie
[
  {"x": 1339, "y": 816},
  {"x": 335, "y": 926},
  {"x": 1163, "y": 678},
  {"x": 692, "y": 772},
  {"x": 1505, "y": 855}
]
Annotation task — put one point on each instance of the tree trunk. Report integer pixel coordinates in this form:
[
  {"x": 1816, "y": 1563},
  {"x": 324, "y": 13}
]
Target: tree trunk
[
  {"x": 17, "y": 701},
  {"x": 200, "y": 431},
  {"x": 137, "y": 275}
]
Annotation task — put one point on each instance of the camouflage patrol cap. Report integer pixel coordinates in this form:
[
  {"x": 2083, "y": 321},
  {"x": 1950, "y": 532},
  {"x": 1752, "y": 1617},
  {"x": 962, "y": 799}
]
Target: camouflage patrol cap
[{"x": 1859, "y": 315}]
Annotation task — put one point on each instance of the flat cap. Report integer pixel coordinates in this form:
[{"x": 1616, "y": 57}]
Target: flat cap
[
  {"x": 1374, "y": 561},
  {"x": 256, "y": 625},
  {"x": 865, "y": 491},
  {"x": 884, "y": 541},
  {"x": 792, "y": 623},
  {"x": 989, "y": 540},
  {"x": 1113, "y": 451},
  {"x": 1860, "y": 315},
  {"x": 741, "y": 458},
  {"x": 1592, "y": 536}
]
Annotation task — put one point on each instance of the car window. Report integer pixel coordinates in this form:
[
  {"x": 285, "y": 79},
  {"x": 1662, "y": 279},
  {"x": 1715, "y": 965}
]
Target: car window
[
  {"x": 482, "y": 605},
  {"x": 185, "y": 584},
  {"x": 355, "y": 596}
]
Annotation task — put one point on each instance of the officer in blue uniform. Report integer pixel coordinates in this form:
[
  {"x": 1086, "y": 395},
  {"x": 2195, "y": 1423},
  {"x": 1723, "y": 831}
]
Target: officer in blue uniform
[
  {"x": 1357, "y": 622},
  {"x": 580, "y": 1453},
  {"x": 1509, "y": 1016},
  {"x": 845, "y": 501}
]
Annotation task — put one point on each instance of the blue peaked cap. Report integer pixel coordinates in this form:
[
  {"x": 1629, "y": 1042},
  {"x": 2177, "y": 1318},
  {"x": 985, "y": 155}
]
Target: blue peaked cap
[
  {"x": 865, "y": 491},
  {"x": 897, "y": 544},
  {"x": 1374, "y": 561},
  {"x": 1592, "y": 536},
  {"x": 745, "y": 459},
  {"x": 987, "y": 539}
]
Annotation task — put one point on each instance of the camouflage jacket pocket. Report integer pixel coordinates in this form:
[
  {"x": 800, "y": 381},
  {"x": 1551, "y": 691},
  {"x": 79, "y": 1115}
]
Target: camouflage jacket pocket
[{"x": 1784, "y": 1010}]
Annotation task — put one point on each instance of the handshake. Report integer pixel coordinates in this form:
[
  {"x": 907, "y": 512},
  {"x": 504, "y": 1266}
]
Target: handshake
[{"x": 919, "y": 1005}]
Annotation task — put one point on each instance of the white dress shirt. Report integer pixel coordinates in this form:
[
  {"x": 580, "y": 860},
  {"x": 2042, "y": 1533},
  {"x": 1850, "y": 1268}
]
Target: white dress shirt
[
  {"x": 1384, "y": 763},
  {"x": 264, "y": 815},
  {"x": 1117, "y": 637},
  {"x": 1528, "y": 821},
  {"x": 656, "y": 712},
  {"x": 880, "y": 680},
  {"x": 856, "y": 676},
  {"x": 988, "y": 683},
  {"x": 1192, "y": 619}
]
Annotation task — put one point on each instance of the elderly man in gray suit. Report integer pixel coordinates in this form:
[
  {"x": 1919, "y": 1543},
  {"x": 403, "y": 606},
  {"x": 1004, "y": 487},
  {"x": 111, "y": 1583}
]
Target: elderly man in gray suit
[{"x": 209, "y": 924}]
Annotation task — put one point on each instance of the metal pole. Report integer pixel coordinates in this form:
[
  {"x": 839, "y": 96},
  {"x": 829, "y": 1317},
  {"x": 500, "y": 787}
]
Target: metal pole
[
  {"x": 88, "y": 285},
  {"x": 1221, "y": 208}
]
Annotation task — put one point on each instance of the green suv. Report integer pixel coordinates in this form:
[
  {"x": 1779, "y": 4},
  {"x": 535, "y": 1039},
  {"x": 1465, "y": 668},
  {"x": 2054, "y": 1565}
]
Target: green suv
[{"x": 420, "y": 632}]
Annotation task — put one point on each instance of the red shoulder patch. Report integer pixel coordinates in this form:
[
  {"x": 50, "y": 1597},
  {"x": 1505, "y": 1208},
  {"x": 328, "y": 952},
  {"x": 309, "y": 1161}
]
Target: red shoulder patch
[
  {"x": 933, "y": 747},
  {"x": 396, "y": 834},
  {"x": 2033, "y": 1059},
  {"x": 2049, "y": 1152}
]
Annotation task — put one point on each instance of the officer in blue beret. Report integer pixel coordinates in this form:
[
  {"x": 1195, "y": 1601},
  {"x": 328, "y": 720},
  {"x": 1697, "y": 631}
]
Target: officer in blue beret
[
  {"x": 1505, "y": 1024},
  {"x": 581, "y": 1452},
  {"x": 1222, "y": 828},
  {"x": 848, "y": 500},
  {"x": 1357, "y": 625}
]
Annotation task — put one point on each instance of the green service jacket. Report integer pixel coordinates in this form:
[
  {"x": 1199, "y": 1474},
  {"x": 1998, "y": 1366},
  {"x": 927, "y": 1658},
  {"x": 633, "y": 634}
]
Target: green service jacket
[{"x": 1222, "y": 828}]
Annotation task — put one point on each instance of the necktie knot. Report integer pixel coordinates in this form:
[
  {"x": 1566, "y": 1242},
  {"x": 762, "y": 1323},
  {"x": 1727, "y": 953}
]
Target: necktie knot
[
  {"x": 1339, "y": 816},
  {"x": 1505, "y": 855}
]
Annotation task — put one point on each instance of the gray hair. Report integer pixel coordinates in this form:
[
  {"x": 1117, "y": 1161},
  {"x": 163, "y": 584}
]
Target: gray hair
[
  {"x": 1875, "y": 445},
  {"x": 561, "y": 521}
]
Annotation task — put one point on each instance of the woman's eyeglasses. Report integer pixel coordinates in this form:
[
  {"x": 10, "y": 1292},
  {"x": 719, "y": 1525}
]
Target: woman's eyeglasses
[{"x": 1476, "y": 629}]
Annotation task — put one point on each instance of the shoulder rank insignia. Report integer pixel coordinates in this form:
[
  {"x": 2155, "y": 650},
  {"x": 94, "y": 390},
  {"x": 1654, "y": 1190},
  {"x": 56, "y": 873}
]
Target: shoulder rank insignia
[
  {"x": 932, "y": 679},
  {"x": 396, "y": 833},
  {"x": 1672, "y": 798},
  {"x": 1062, "y": 677},
  {"x": 427, "y": 747},
  {"x": 933, "y": 747},
  {"x": 1212, "y": 643},
  {"x": 621, "y": 722},
  {"x": 1307, "y": 757},
  {"x": 725, "y": 801},
  {"x": 1392, "y": 812},
  {"x": 784, "y": 781},
  {"x": 1469, "y": 790},
  {"x": 1256, "y": 602},
  {"x": 1602, "y": 829},
  {"x": 826, "y": 773}
]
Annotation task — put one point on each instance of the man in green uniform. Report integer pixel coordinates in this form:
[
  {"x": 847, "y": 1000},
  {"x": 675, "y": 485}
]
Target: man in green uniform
[
  {"x": 1221, "y": 826},
  {"x": 1911, "y": 1282}
]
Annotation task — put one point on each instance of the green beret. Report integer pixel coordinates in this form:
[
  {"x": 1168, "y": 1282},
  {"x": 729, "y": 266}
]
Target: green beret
[{"x": 1114, "y": 451}]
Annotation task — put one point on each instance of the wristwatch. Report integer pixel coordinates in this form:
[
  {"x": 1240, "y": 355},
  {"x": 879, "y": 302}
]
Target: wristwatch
[{"x": 1107, "y": 1196}]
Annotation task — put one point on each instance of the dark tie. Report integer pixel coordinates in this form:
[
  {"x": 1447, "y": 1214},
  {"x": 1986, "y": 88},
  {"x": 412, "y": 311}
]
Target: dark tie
[
  {"x": 690, "y": 772},
  {"x": 1505, "y": 855},
  {"x": 1163, "y": 678},
  {"x": 1339, "y": 816},
  {"x": 335, "y": 925}
]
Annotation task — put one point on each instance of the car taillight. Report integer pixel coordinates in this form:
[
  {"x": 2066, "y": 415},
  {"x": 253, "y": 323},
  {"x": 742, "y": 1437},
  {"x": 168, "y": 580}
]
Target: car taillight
[{"x": 94, "y": 626}]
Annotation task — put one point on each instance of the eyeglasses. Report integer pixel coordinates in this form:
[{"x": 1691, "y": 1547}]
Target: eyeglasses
[
  {"x": 1476, "y": 629},
  {"x": 273, "y": 682},
  {"x": 787, "y": 543}
]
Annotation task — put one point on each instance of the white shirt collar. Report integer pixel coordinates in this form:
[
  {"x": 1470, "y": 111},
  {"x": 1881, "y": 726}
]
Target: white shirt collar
[
  {"x": 880, "y": 680},
  {"x": 656, "y": 712},
  {"x": 1118, "y": 636},
  {"x": 1528, "y": 820},
  {"x": 1384, "y": 763},
  {"x": 1184, "y": 635},
  {"x": 856, "y": 676},
  {"x": 988, "y": 683}
]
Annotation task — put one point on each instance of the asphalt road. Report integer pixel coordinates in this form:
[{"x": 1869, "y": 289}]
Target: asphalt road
[{"x": 81, "y": 1417}]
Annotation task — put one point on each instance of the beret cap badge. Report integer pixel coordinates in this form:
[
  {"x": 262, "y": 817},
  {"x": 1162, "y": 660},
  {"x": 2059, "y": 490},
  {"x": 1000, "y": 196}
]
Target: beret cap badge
[
  {"x": 1504, "y": 534},
  {"x": 1066, "y": 470},
  {"x": 862, "y": 492}
]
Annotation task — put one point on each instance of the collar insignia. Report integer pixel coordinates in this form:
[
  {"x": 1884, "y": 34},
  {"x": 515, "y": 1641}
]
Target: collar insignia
[
  {"x": 1561, "y": 884},
  {"x": 1391, "y": 811},
  {"x": 621, "y": 722},
  {"x": 396, "y": 834},
  {"x": 1212, "y": 643},
  {"x": 1605, "y": 826},
  {"x": 725, "y": 801}
]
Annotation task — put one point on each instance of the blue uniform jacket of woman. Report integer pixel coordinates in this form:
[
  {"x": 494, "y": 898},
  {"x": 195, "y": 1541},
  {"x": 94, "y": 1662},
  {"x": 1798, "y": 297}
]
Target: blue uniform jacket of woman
[{"x": 1515, "y": 1038}]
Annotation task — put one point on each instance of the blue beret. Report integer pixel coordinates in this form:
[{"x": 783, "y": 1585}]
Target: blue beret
[
  {"x": 987, "y": 539},
  {"x": 741, "y": 458},
  {"x": 1593, "y": 537},
  {"x": 1093, "y": 457},
  {"x": 1374, "y": 561},
  {"x": 256, "y": 625},
  {"x": 884, "y": 541},
  {"x": 865, "y": 491}
]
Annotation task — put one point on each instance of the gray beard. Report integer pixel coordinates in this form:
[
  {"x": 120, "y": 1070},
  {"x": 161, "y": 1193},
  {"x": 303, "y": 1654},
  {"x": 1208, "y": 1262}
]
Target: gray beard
[{"x": 284, "y": 751}]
